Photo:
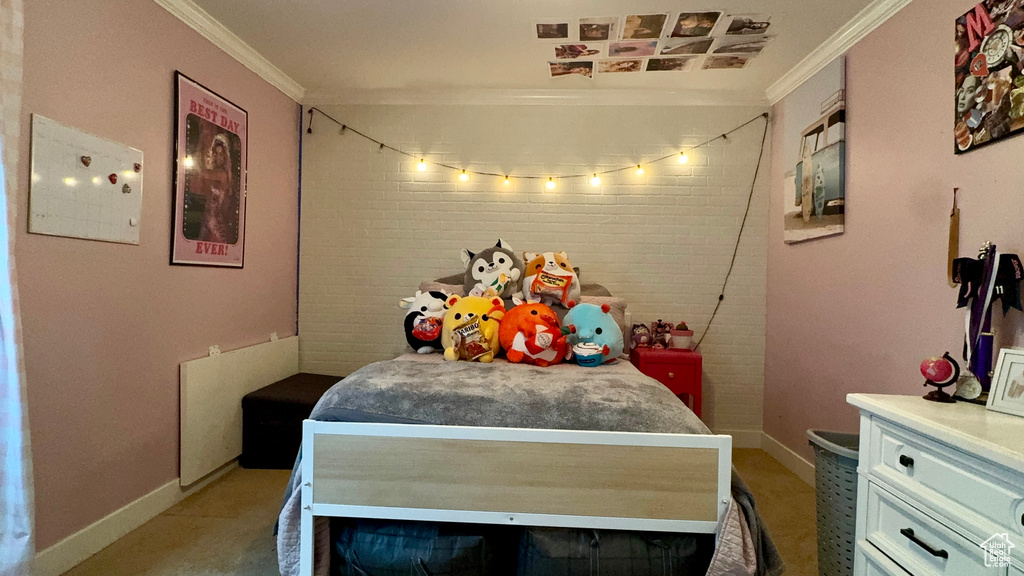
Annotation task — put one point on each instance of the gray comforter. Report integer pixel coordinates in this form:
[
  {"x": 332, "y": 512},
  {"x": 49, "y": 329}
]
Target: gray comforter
[{"x": 426, "y": 389}]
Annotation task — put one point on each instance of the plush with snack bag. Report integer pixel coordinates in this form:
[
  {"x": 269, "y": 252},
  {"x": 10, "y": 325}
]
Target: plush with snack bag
[
  {"x": 424, "y": 320},
  {"x": 497, "y": 269},
  {"x": 470, "y": 329},
  {"x": 530, "y": 334},
  {"x": 550, "y": 279},
  {"x": 594, "y": 327}
]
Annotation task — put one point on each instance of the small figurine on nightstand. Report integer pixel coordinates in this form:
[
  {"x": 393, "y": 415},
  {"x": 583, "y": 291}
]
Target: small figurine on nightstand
[
  {"x": 640, "y": 337},
  {"x": 940, "y": 372},
  {"x": 661, "y": 330}
]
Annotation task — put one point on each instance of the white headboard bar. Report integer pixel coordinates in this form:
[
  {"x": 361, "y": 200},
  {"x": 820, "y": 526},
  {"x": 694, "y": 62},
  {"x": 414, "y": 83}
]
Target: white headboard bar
[{"x": 211, "y": 401}]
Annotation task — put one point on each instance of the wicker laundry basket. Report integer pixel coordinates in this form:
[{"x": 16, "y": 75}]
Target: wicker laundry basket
[{"x": 835, "y": 478}]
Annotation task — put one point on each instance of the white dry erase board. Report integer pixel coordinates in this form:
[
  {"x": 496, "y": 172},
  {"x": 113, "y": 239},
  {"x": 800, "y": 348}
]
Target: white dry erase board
[{"x": 83, "y": 186}]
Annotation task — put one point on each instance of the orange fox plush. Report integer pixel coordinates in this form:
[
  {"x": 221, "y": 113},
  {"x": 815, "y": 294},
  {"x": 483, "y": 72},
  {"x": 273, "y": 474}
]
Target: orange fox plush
[{"x": 529, "y": 333}]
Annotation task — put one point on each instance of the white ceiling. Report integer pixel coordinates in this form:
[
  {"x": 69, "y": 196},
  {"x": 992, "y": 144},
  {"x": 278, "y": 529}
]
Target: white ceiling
[{"x": 349, "y": 51}]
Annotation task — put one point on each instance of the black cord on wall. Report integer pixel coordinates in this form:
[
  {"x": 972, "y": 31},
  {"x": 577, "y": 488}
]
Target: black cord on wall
[{"x": 743, "y": 225}]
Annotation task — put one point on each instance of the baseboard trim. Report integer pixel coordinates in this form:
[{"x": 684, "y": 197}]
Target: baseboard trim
[
  {"x": 76, "y": 548},
  {"x": 743, "y": 438},
  {"x": 796, "y": 463}
]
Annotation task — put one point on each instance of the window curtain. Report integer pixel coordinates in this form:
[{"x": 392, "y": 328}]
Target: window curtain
[{"x": 16, "y": 534}]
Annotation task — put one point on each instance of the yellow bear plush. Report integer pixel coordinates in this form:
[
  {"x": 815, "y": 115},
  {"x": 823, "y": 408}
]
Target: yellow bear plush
[{"x": 470, "y": 329}]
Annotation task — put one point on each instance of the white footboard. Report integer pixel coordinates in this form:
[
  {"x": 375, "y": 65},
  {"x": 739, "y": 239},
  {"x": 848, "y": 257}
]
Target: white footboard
[{"x": 563, "y": 478}]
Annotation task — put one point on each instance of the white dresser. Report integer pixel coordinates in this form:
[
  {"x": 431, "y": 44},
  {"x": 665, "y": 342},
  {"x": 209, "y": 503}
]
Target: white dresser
[{"x": 935, "y": 482}]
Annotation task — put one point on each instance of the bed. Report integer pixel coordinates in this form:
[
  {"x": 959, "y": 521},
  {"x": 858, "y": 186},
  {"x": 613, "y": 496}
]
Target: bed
[{"x": 418, "y": 412}]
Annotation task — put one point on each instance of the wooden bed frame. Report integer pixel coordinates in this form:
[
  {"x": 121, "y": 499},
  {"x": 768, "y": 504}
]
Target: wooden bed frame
[{"x": 513, "y": 476}]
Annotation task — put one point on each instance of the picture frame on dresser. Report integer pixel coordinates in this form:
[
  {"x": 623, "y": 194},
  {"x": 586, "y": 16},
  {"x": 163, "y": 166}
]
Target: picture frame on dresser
[{"x": 1007, "y": 393}]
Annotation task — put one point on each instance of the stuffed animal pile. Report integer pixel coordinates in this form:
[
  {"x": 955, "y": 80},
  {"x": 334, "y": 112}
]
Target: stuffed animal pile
[{"x": 477, "y": 327}]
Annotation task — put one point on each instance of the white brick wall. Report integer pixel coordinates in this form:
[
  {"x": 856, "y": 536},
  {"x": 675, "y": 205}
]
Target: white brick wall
[{"x": 373, "y": 227}]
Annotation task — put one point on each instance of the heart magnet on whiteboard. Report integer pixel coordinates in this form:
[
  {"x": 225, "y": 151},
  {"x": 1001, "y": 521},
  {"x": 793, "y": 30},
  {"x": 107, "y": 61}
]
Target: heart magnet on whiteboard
[
  {"x": 126, "y": 189},
  {"x": 113, "y": 178},
  {"x": 138, "y": 167},
  {"x": 86, "y": 160}
]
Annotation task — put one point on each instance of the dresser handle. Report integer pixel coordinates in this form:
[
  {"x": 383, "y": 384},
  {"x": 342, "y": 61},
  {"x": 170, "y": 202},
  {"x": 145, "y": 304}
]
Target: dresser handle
[
  {"x": 909, "y": 533},
  {"x": 906, "y": 461},
  {"x": 671, "y": 375}
]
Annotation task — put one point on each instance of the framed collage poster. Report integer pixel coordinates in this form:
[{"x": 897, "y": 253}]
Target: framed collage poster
[
  {"x": 989, "y": 91},
  {"x": 209, "y": 177}
]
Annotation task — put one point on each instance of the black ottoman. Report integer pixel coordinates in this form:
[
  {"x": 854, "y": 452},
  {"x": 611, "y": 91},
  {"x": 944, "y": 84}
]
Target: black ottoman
[{"x": 272, "y": 419}]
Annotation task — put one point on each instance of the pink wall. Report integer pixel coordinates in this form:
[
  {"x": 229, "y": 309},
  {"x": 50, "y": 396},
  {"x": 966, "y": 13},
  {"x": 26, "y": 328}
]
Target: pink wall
[
  {"x": 106, "y": 325},
  {"x": 858, "y": 312}
]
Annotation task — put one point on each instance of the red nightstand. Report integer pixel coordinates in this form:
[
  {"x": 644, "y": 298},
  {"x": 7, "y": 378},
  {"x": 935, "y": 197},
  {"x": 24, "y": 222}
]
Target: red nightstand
[{"x": 679, "y": 370}]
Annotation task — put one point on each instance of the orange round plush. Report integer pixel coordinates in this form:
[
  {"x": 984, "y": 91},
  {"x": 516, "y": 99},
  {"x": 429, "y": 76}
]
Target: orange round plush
[{"x": 530, "y": 333}]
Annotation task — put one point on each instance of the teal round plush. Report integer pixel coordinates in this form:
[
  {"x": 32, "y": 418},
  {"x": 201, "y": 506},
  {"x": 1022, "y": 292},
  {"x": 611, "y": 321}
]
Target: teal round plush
[{"x": 597, "y": 326}]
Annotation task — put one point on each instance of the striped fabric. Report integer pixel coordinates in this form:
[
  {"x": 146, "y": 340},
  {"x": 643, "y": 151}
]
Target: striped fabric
[{"x": 16, "y": 540}]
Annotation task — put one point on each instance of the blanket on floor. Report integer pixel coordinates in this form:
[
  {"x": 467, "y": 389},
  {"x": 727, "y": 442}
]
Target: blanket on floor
[{"x": 613, "y": 397}]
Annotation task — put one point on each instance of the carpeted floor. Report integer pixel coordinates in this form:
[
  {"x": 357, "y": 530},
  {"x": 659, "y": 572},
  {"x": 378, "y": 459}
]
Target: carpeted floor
[{"x": 225, "y": 529}]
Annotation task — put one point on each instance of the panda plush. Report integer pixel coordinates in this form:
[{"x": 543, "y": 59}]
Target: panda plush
[{"x": 424, "y": 320}]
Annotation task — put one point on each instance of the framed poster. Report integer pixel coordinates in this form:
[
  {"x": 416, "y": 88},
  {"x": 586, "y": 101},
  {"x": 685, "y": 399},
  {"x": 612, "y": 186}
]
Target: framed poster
[
  {"x": 989, "y": 91},
  {"x": 209, "y": 177}
]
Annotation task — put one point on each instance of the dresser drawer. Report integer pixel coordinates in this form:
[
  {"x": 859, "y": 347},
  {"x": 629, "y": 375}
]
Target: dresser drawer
[
  {"x": 928, "y": 472},
  {"x": 919, "y": 544},
  {"x": 676, "y": 377},
  {"x": 869, "y": 561}
]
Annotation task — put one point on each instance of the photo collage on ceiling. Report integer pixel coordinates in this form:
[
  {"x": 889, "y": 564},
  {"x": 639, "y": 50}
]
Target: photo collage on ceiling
[{"x": 708, "y": 40}]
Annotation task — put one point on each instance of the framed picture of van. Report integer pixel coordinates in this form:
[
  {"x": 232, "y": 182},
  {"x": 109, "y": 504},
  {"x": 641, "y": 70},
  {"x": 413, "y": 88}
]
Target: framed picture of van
[{"x": 814, "y": 132}]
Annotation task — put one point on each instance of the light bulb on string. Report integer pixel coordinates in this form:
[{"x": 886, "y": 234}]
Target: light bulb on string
[
  {"x": 422, "y": 166},
  {"x": 464, "y": 177},
  {"x": 507, "y": 181},
  {"x": 683, "y": 158},
  {"x": 551, "y": 183},
  {"x": 595, "y": 180},
  {"x": 639, "y": 170}
]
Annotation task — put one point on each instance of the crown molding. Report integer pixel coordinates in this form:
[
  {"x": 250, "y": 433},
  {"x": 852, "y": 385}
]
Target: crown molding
[
  {"x": 207, "y": 26},
  {"x": 517, "y": 97},
  {"x": 871, "y": 17}
]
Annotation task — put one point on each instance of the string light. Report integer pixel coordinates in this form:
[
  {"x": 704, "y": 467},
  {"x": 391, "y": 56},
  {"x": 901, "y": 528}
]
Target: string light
[
  {"x": 189, "y": 162},
  {"x": 422, "y": 166},
  {"x": 683, "y": 157}
]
